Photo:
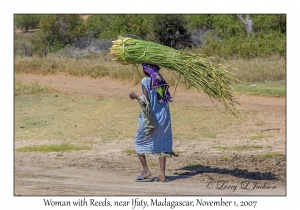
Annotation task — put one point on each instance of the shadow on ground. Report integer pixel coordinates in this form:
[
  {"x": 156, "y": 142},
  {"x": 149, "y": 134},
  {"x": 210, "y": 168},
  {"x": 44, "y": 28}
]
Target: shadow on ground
[{"x": 245, "y": 174}]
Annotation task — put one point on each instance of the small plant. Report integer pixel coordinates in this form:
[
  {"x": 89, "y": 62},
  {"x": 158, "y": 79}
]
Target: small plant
[
  {"x": 130, "y": 151},
  {"x": 246, "y": 147},
  {"x": 151, "y": 163},
  {"x": 225, "y": 158},
  {"x": 268, "y": 155},
  {"x": 260, "y": 137},
  {"x": 220, "y": 147},
  {"x": 192, "y": 166},
  {"x": 53, "y": 148},
  {"x": 236, "y": 147}
]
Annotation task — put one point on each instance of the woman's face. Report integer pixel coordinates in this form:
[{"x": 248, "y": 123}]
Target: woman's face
[{"x": 146, "y": 73}]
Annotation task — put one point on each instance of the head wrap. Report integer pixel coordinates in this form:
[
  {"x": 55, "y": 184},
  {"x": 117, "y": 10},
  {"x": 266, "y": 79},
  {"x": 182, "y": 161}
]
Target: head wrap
[{"x": 157, "y": 82}]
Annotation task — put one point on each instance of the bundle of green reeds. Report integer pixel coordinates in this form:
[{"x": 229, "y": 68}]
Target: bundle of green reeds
[{"x": 214, "y": 80}]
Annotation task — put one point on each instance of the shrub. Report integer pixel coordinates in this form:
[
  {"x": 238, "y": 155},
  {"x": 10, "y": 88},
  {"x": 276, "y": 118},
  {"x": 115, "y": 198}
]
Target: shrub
[
  {"x": 25, "y": 21},
  {"x": 111, "y": 26},
  {"x": 170, "y": 30},
  {"x": 58, "y": 31}
]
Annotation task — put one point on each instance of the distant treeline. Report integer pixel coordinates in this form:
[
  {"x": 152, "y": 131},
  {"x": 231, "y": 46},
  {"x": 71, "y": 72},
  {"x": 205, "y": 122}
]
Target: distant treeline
[{"x": 223, "y": 35}]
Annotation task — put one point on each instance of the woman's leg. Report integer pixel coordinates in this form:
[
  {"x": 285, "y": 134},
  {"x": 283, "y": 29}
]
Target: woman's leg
[
  {"x": 162, "y": 164},
  {"x": 146, "y": 172}
]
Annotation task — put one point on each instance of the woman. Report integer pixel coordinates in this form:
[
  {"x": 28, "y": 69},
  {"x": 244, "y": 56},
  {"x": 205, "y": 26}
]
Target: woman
[{"x": 154, "y": 133}]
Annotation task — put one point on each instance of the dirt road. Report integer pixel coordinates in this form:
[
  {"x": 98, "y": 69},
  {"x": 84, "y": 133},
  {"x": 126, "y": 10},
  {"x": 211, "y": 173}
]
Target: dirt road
[{"x": 105, "y": 170}]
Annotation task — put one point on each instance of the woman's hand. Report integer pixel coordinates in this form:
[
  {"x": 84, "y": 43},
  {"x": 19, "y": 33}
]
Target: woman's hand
[{"x": 133, "y": 95}]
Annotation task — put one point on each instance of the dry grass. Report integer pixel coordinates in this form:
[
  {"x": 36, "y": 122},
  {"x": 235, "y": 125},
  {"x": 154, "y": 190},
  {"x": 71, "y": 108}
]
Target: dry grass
[
  {"x": 95, "y": 68},
  {"x": 49, "y": 117},
  {"x": 32, "y": 88},
  {"x": 259, "y": 69}
]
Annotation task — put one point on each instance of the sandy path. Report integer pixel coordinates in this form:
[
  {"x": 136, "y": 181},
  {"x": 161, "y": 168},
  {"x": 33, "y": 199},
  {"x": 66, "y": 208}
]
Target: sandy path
[
  {"x": 108, "y": 87},
  {"x": 83, "y": 182}
]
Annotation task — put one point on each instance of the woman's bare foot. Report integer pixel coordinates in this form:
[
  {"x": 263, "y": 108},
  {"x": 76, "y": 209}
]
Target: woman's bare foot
[
  {"x": 145, "y": 174},
  {"x": 161, "y": 179}
]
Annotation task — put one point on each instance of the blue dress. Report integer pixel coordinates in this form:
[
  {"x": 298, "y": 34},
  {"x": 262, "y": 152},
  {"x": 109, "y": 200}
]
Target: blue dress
[{"x": 160, "y": 139}]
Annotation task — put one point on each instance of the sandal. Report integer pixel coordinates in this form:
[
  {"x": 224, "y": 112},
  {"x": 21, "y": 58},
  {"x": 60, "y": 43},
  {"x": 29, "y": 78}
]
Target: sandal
[
  {"x": 140, "y": 178},
  {"x": 157, "y": 179}
]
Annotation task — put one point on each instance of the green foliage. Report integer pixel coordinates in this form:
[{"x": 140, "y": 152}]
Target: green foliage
[
  {"x": 226, "y": 25},
  {"x": 58, "y": 31},
  {"x": 229, "y": 38},
  {"x": 111, "y": 26},
  {"x": 170, "y": 30},
  {"x": 259, "y": 45},
  {"x": 267, "y": 23},
  {"x": 225, "y": 34},
  {"x": 25, "y": 21}
]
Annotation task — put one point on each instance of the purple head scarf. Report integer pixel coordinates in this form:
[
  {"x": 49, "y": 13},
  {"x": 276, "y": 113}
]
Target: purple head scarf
[{"x": 157, "y": 82}]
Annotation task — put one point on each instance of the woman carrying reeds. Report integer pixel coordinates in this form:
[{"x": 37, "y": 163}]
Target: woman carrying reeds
[{"x": 154, "y": 133}]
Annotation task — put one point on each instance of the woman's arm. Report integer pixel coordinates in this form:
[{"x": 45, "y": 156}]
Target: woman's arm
[
  {"x": 135, "y": 96},
  {"x": 145, "y": 92}
]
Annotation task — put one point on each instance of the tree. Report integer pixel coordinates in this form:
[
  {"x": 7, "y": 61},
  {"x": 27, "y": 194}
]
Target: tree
[
  {"x": 170, "y": 30},
  {"x": 111, "y": 26},
  {"x": 25, "y": 21},
  {"x": 59, "y": 30},
  {"x": 267, "y": 23}
]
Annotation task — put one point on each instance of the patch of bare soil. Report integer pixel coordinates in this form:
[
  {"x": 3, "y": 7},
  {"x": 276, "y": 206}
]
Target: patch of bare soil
[{"x": 107, "y": 170}]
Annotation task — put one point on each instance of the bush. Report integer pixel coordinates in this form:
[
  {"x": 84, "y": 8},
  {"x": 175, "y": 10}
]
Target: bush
[
  {"x": 170, "y": 30},
  {"x": 25, "y": 21},
  {"x": 111, "y": 26},
  {"x": 58, "y": 31},
  {"x": 258, "y": 45}
]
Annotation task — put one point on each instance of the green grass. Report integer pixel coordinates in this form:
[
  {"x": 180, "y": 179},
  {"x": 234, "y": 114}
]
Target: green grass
[
  {"x": 267, "y": 88},
  {"x": 53, "y": 148},
  {"x": 192, "y": 166},
  {"x": 220, "y": 147},
  {"x": 269, "y": 155},
  {"x": 130, "y": 151},
  {"x": 246, "y": 147},
  {"x": 237, "y": 147},
  {"x": 260, "y": 137},
  {"x": 225, "y": 158},
  {"x": 151, "y": 163}
]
